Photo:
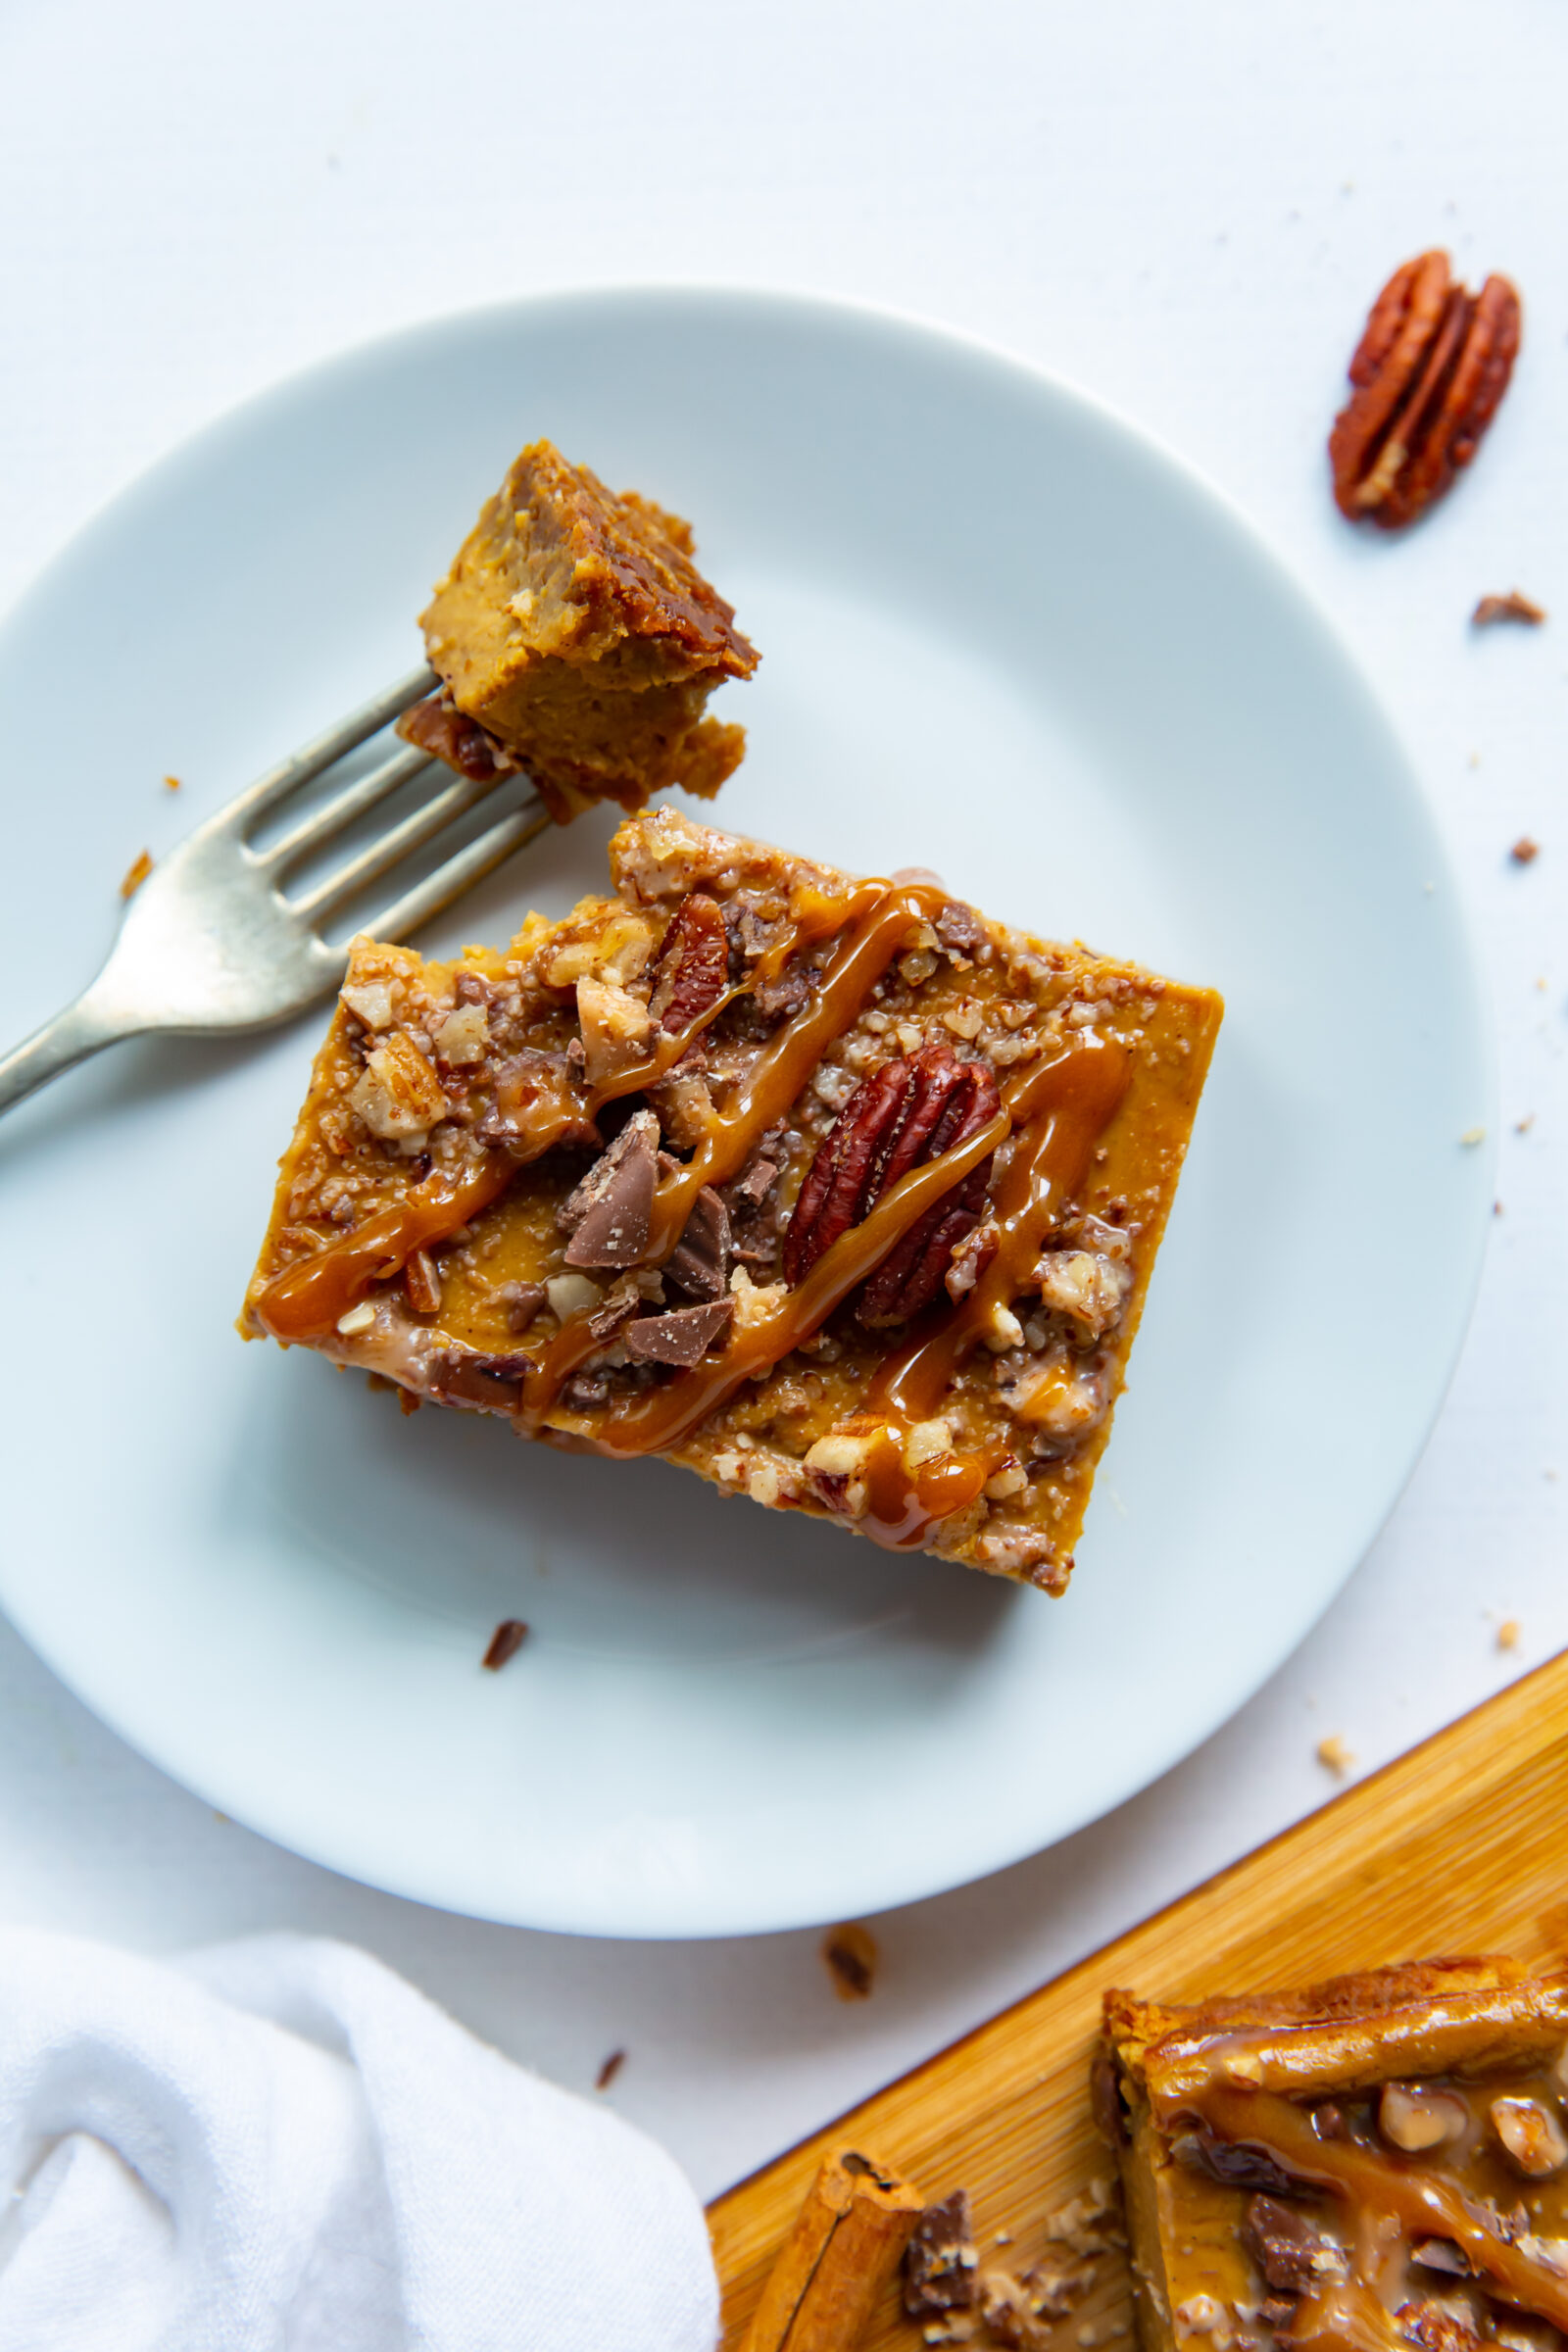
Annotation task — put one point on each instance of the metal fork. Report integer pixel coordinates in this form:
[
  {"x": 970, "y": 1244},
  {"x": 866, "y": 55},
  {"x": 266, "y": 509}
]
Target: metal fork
[{"x": 211, "y": 943}]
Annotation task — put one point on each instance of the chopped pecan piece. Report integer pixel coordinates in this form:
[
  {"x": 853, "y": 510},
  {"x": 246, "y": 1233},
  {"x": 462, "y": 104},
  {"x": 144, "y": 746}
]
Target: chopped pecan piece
[
  {"x": 907, "y": 1112},
  {"x": 1531, "y": 2136},
  {"x": 423, "y": 1284},
  {"x": 523, "y": 1301},
  {"x": 693, "y": 968},
  {"x": 608, "y": 1214},
  {"x": 1426, "y": 376},
  {"x": 940, "y": 2260},
  {"x": 1512, "y": 607},
  {"x": 1293, "y": 2254},
  {"x": 960, "y": 928},
  {"x": 504, "y": 1642},
  {"x": 439, "y": 727},
  {"x": 1435, "y": 2329},
  {"x": 1411, "y": 2118},
  {"x": 682, "y": 1337}
]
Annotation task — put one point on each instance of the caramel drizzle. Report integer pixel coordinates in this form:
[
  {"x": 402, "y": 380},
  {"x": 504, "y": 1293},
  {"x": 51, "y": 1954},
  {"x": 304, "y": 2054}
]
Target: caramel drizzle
[
  {"x": 1061, "y": 1107},
  {"x": 1421, "y": 2201},
  {"x": 660, "y": 1419},
  {"x": 1068, "y": 1103},
  {"x": 306, "y": 1300}
]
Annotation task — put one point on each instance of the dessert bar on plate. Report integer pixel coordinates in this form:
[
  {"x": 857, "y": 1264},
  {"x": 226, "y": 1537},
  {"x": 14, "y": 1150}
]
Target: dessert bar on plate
[
  {"x": 1378, "y": 2161},
  {"x": 575, "y": 638},
  {"x": 830, "y": 1189}
]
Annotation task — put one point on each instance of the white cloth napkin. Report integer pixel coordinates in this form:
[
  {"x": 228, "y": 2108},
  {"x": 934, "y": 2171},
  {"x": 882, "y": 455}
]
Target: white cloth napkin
[{"x": 280, "y": 2147}]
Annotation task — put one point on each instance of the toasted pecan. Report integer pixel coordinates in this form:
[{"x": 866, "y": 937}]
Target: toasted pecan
[
  {"x": 693, "y": 968},
  {"x": 907, "y": 1112},
  {"x": 1426, "y": 376}
]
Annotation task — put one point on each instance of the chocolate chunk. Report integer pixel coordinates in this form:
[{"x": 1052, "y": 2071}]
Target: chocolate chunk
[
  {"x": 1240, "y": 2165},
  {"x": 756, "y": 1183},
  {"x": 1440, "y": 2254},
  {"x": 608, "y": 1215},
  {"x": 465, "y": 1376},
  {"x": 700, "y": 1262},
  {"x": 1290, "y": 2248},
  {"x": 960, "y": 928},
  {"x": 940, "y": 2259},
  {"x": 619, "y": 1305},
  {"x": 682, "y": 1338},
  {"x": 504, "y": 1642},
  {"x": 523, "y": 1301}
]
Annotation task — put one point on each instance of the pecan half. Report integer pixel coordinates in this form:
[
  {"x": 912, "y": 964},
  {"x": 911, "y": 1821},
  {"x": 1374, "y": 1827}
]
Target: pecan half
[
  {"x": 439, "y": 727},
  {"x": 1427, "y": 375},
  {"x": 907, "y": 1112},
  {"x": 693, "y": 968}
]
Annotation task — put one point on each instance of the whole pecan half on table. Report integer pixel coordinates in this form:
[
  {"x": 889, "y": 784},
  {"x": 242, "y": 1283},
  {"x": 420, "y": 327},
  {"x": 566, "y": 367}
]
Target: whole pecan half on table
[
  {"x": 1427, "y": 375},
  {"x": 906, "y": 1114}
]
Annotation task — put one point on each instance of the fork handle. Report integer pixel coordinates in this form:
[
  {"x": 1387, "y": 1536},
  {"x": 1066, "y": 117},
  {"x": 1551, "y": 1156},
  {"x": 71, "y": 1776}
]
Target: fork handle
[{"x": 83, "y": 1028}]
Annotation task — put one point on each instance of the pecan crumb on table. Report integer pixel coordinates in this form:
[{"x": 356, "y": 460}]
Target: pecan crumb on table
[
  {"x": 827, "y": 1189},
  {"x": 1512, "y": 607},
  {"x": 135, "y": 874},
  {"x": 850, "y": 1953},
  {"x": 1525, "y": 851},
  {"x": 1334, "y": 1755},
  {"x": 504, "y": 1642},
  {"x": 609, "y": 2070},
  {"x": 1509, "y": 1634}
]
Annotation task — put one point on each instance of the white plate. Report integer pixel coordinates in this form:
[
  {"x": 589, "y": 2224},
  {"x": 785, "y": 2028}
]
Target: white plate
[{"x": 1004, "y": 636}]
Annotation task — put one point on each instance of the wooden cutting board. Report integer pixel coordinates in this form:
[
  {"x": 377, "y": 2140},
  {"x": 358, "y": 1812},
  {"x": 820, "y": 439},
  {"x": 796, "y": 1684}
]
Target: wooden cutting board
[{"x": 1459, "y": 1846}]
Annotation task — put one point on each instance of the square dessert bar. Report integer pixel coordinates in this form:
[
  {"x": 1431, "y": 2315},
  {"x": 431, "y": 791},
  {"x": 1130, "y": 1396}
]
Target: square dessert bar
[
  {"x": 829, "y": 1188},
  {"x": 576, "y": 639},
  {"x": 1376, "y": 2161}
]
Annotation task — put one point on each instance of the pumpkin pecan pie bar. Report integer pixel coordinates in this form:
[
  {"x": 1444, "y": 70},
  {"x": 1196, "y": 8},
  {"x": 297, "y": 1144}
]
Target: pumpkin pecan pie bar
[
  {"x": 829, "y": 1188},
  {"x": 1379, "y": 2161},
  {"x": 576, "y": 639}
]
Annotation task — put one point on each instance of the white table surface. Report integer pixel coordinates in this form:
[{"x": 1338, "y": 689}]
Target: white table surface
[{"x": 1186, "y": 210}]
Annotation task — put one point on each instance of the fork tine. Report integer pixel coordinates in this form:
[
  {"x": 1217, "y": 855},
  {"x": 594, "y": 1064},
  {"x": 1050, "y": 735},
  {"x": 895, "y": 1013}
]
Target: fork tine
[
  {"x": 309, "y": 761},
  {"x": 470, "y": 864},
  {"x": 324, "y": 823},
  {"x": 378, "y": 858}
]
